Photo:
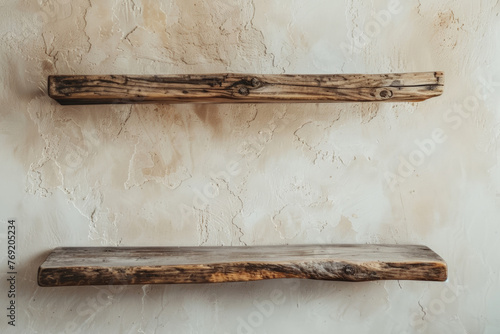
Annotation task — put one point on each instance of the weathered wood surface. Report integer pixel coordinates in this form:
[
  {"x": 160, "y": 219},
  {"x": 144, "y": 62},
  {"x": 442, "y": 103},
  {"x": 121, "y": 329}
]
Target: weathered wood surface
[
  {"x": 237, "y": 88},
  {"x": 160, "y": 265}
]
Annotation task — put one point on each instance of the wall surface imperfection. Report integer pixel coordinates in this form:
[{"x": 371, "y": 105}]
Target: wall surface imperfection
[{"x": 256, "y": 174}]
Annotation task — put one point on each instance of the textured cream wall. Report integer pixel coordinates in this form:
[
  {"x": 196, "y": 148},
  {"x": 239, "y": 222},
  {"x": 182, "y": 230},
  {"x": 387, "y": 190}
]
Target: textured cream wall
[{"x": 305, "y": 173}]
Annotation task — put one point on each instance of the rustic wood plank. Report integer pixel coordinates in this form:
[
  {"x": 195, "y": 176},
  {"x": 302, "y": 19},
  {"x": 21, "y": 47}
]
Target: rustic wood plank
[
  {"x": 246, "y": 88},
  {"x": 161, "y": 265}
]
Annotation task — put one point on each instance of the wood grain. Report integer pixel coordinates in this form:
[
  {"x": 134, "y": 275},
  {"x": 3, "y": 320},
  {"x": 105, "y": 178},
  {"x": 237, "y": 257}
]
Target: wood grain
[
  {"x": 249, "y": 88},
  {"x": 160, "y": 265}
]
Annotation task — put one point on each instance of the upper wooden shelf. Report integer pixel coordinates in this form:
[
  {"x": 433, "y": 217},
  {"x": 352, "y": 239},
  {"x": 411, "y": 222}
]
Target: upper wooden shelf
[
  {"x": 244, "y": 88},
  {"x": 160, "y": 265}
]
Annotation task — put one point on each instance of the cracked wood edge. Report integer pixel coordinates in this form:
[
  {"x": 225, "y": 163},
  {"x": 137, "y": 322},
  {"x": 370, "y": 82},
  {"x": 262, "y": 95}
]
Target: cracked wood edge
[
  {"x": 75, "y": 266},
  {"x": 244, "y": 88}
]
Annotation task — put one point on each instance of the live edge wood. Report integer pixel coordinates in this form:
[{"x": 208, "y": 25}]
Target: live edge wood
[
  {"x": 160, "y": 265},
  {"x": 250, "y": 88}
]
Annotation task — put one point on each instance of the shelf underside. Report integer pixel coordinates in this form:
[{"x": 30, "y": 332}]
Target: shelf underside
[
  {"x": 70, "y": 266},
  {"x": 244, "y": 88}
]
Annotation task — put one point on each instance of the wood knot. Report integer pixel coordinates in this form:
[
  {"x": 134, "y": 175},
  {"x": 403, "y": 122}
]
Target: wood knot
[
  {"x": 349, "y": 270},
  {"x": 243, "y": 91},
  {"x": 385, "y": 94},
  {"x": 255, "y": 82}
]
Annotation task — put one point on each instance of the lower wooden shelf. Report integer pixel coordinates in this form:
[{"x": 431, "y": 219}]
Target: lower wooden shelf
[{"x": 70, "y": 266}]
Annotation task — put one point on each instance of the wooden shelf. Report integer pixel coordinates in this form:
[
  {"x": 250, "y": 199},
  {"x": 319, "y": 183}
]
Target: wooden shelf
[
  {"x": 71, "y": 266},
  {"x": 244, "y": 88}
]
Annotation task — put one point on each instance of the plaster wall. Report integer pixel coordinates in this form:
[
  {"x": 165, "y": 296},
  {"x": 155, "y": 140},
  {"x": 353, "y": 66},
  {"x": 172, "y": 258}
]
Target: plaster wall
[{"x": 135, "y": 175}]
